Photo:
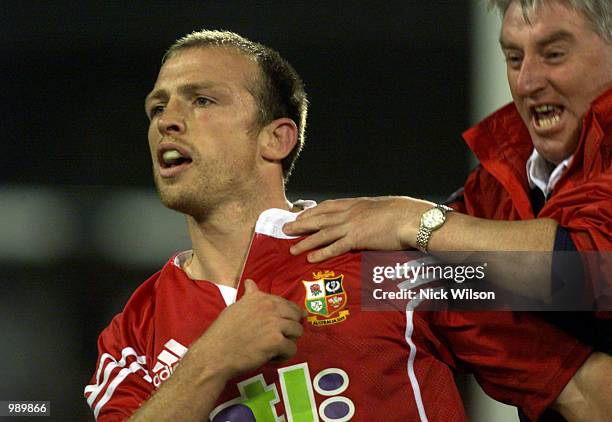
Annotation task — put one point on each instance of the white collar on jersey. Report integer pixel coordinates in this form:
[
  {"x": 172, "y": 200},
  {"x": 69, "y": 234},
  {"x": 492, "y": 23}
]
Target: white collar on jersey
[{"x": 271, "y": 222}]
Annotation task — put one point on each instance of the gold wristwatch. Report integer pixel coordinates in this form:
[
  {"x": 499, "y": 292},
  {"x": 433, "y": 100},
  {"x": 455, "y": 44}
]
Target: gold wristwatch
[{"x": 431, "y": 220}]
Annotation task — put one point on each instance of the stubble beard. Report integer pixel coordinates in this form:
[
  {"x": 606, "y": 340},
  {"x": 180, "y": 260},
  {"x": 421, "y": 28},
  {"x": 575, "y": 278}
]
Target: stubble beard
[
  {"x": 191, "y": 199},
  {"x": 201, "y": 193}
]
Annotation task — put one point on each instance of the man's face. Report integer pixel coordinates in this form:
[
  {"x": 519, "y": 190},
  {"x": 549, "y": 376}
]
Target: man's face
[
  {"x": 201, "y": 133},
  {"x": 556, "y": 67}
]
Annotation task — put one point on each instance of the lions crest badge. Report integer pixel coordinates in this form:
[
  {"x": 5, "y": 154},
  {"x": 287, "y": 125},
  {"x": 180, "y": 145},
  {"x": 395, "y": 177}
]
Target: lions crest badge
[{"x": 326, "y": 298}]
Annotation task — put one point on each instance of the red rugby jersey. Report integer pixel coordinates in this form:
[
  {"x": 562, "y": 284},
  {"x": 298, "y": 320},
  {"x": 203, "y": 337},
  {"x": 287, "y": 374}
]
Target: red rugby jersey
[{"x": 351, "y": 364}]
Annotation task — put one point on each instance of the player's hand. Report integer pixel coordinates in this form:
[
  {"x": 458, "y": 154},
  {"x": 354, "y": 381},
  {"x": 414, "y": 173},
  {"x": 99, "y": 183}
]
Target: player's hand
[
  {"x": 256, "y": 329},
  {"x": 338, "y": 226}
]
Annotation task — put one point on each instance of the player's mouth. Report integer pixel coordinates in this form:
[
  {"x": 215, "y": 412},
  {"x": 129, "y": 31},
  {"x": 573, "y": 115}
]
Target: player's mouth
[
  {"x": 547, "y": 117},
  {"x": 172, "y": 160}
]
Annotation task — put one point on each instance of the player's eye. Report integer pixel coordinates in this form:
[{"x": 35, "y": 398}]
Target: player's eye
[
  {"x": 155, "y": 110},
  {"x": 203, "y": 101}
]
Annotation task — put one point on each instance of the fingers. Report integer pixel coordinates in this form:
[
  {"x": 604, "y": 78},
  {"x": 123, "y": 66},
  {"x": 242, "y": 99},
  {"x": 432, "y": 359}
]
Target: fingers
[
  {"x": 292, "y": 329},
  {"x": 256, "y": 300},
  {"x": 317, "y": 240},
  {"x": 256, "y": 328},
  {"x": 335, "y": 249},
  {"x": 303, "y": 226},
  {"x": 332, "y": 205},
  {"x": 287, "y": 348},
  {"x": 279, "y": 337},
  {"x": 288, "y": 310},
  {"x": 250, "y": 287},
  {"x": 313, "y": 223},
  {"x": 314, "y": 219}
]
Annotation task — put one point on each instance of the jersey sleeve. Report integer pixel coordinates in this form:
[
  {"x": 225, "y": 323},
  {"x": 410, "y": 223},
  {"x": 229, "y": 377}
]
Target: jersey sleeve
[
  {"x": 122, "y": 381},
  {"x": 515, "y": 357}
]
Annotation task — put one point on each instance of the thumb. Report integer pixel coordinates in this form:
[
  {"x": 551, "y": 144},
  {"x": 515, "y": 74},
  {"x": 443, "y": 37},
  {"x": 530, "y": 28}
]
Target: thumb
[{"x": 250, "y": 287}]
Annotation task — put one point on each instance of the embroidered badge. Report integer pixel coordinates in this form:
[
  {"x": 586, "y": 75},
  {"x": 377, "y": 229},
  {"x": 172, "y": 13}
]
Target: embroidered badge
[{"x": 325, "y": 298}]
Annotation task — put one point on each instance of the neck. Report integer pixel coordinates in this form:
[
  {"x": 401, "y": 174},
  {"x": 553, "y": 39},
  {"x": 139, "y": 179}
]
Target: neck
[{"x": 221, "y": 238}]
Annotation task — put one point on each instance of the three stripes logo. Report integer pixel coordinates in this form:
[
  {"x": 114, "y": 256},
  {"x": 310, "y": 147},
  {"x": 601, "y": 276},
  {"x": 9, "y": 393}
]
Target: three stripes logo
[
  {"x": 111, "y": 373},
  {"x": 167, "y": 361}
]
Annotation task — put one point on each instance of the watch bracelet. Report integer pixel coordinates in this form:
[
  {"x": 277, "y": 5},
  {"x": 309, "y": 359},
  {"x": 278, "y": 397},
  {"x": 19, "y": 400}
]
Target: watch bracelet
[{"x": 423, "y": 235}]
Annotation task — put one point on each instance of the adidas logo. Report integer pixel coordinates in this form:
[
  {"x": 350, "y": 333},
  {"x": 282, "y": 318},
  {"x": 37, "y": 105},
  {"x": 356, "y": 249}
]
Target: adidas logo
[{"x": 167, "y": 360}]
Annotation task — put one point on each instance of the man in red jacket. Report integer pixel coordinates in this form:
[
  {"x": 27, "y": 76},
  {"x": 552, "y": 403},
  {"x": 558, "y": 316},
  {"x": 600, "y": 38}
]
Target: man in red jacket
[{"x": 544, "y": 182}]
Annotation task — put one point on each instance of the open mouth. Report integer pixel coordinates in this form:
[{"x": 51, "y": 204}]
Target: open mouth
[
  {"x": 546, "y": 115},
  {"x": 172, "y": 159}
]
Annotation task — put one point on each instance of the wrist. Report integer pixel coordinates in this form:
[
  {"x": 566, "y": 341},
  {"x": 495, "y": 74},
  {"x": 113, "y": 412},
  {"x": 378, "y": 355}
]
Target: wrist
[
  {"x": 189, "y": 394},
  {"x": 206, "y": 366},
  {"x": 431, "y": 220},
  {"x": 411, "y": 221}
]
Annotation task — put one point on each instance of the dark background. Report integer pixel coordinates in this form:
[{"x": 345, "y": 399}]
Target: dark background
[{"x": 389, "y": 97}]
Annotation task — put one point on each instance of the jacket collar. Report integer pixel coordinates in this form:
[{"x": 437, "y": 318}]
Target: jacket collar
[
  {"x": 502, "y": 144},
  {"x": 595, "y": 125}
]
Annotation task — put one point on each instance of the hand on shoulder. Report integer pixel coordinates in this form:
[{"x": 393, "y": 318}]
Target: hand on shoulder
[{"x": 338, "y": 226}]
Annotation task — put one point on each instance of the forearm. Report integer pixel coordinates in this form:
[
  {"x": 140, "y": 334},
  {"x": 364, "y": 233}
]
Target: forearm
[
  {"x": 392, "y": 223},
  {"x": 515, "y": 268},
  {"x": 189, "y": 394},
  {"x": 588, "y": 395},
  {"x": 462, "y": 232},
  {"x": 247, "y": 334}
]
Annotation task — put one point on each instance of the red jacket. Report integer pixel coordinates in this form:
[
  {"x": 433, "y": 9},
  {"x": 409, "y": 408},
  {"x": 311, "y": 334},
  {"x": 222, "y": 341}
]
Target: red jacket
[{"x": 581, "y": 201}]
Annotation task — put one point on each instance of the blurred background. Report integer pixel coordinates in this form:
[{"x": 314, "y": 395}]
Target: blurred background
[{"x": 391, "y": 84}]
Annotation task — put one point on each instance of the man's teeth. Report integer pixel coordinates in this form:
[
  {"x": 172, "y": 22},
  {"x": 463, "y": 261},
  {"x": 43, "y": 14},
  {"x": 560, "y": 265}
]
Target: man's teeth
[
  {"x": 172, "y": 156},
  {"x": 544, "y": 108},
  {"x": 545, "y": 122},
  {"x": 547, "y": 115}
]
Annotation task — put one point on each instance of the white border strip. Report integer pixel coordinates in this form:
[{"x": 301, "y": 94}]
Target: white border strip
[
  {"x": 413, "y": 379},
  {"x": 96, "y": 389},
  {"x": 132, "y": 369}
]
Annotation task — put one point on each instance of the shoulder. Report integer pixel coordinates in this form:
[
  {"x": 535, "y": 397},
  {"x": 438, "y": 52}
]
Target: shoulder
[
  {"x": 131, "y": 324},
  {"x": 135, "y": 318},
  {"x": 163, "y": 279}
]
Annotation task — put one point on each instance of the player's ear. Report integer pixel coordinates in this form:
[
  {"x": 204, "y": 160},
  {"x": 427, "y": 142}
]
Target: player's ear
[{"x": 278, "y": 139}]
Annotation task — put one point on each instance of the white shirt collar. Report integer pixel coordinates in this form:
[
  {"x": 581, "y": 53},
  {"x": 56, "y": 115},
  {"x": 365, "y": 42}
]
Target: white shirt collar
[{"x": 539, "y": 172}]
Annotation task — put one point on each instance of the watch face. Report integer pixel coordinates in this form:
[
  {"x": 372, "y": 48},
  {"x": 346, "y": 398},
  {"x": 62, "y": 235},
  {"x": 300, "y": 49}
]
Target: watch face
[{"x": 433, "y": 218}]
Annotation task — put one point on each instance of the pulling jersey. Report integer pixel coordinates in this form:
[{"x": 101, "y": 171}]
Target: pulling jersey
[{"x": 351, "y": 364}]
